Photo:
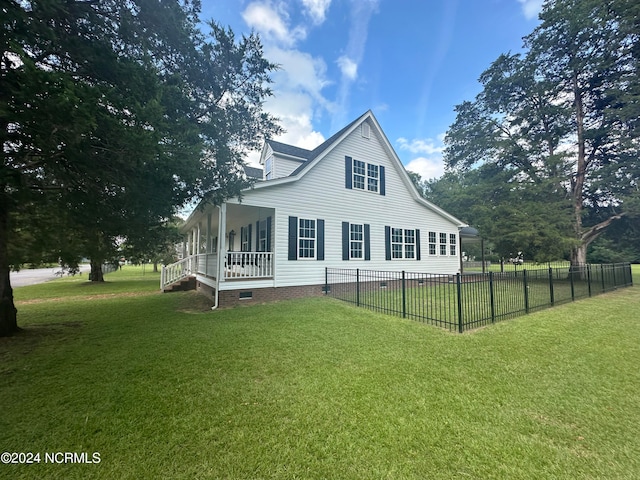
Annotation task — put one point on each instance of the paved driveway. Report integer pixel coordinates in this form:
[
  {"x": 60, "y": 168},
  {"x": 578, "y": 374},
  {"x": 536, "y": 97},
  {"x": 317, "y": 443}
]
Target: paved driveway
[{"x": 34, "y": 276}]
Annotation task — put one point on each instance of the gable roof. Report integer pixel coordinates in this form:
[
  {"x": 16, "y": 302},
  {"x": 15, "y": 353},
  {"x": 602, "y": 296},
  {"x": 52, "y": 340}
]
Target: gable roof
[{"x": 311, "y": 158}]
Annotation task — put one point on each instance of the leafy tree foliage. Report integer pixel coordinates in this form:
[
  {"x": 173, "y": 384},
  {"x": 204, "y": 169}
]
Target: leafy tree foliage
[
  {"x": 113, "y": 115},
  {"x": 507, "y": 213},
  {"x": 561, "y": 121}
]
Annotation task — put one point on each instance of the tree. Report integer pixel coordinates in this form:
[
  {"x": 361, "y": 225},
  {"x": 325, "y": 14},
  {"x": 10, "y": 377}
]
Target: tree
[
  {"x": 157, "y": 246},
  {"x": 113, "y": 115},
  {"x": 560, "y": 118},
  {"x": 507, "y": 213}
]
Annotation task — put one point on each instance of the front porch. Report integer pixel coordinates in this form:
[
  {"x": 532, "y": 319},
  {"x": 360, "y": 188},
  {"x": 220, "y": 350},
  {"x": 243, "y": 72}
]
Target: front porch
[
  {"x": 225, "y": 243},
  {"x": 236, "y": 266}
]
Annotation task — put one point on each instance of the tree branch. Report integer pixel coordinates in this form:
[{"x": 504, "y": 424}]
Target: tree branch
[{"x": 594, "y": 232}]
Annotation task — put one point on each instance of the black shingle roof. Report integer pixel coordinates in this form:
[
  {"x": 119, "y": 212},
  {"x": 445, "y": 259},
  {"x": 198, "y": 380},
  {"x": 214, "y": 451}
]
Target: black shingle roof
[
  {"x": 285, "y": 149},
  {"x": 253, "y": 172}
]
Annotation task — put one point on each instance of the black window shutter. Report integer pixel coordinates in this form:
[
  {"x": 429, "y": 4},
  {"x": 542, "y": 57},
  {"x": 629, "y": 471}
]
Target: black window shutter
[
  {"x": 249, "y": 234},
  {"x": 348, "y": 176},
  {"x": 268, "y": 234},
  {"x": 367, "y": 241},
  {"x": 293, "y": 238},
  {"x": 345, "y": 240},
  {"x": 382, "y": 182},
  {"x": 417, "y": 244},
  {"x": 387, "y": 242},
  {"x": 320, "y": 239},
  {"x": 258, "y": 236}
]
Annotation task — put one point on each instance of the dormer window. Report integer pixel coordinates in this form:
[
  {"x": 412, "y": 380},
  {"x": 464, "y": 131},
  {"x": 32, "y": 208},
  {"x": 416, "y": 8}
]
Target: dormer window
[{"x": 268, "y": 168}]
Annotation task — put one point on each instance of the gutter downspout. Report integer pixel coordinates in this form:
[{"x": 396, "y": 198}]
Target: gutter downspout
[{"x": 222, "y": 224}]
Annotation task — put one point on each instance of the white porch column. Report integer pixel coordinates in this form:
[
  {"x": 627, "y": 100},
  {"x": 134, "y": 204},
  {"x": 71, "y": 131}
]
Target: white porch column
[
  {"x": 222, "y": 244},
  {"x": 208, "y": 249},
  {"x": 198, "y": 240}
]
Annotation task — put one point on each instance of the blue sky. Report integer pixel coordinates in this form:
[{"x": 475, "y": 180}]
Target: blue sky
[{"x": 409, "y": 61}]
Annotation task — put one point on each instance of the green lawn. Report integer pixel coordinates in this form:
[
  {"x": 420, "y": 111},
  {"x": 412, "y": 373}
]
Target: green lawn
[{"x": 161, "y": 387}]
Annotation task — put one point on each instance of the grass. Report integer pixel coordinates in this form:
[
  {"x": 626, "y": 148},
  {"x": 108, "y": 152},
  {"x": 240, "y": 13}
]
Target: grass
[{"x": 162, "y": 387}]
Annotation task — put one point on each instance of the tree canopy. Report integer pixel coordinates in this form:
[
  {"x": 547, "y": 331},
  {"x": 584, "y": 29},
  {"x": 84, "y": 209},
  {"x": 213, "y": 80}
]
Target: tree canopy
[
  {"x": 112, "y": 116},
  {"x": 558, "y": 126}
]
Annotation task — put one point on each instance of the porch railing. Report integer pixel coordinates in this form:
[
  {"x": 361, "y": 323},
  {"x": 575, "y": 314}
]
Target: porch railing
[
  {"x": 176, "y": 271},
  {"x": 248, "y": 265},
  {"x": 237, "y": 265}
]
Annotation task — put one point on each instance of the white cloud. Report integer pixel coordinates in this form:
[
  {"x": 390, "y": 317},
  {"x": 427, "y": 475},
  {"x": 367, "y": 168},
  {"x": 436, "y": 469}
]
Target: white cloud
[
  {"x": 429, "y": 164},
  {"x": 348, "y": 67},
  {"x": 298, "y": 71},
  {"x": 427, "y": 168},
  {"x": 272, "y": 23},
  {"x": 317, "y": 9},
  {"x": 531, "y": 8},
  {"x": 417, "y": 145},
  {"x": 298, "y": 84}
]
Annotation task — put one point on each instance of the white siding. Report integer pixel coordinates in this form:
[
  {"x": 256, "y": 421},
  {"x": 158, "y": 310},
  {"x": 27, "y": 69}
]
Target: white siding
[
  {"x": 285, "y": 166},
  {"x": 321, "y": 194}
]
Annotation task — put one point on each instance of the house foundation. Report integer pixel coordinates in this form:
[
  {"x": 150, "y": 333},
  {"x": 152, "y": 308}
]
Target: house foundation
[{"x": 252, "y": 296}]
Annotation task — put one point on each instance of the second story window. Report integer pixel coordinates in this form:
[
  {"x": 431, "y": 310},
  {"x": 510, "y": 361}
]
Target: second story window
[
  {"x": 372, "y": 177},
  {"x": 359, "y": 172},
  {"x": 364, "y": 176}
]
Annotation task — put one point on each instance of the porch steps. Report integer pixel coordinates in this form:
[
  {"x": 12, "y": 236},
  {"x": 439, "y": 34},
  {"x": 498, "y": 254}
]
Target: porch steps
[{"x": 182, "y": 285}]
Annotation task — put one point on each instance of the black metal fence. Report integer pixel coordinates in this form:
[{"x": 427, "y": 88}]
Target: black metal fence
[{"x": 464, "y": 302}]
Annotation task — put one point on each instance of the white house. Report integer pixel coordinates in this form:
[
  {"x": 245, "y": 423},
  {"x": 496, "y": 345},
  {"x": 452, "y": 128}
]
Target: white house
[{"x": 349, "y": 203}]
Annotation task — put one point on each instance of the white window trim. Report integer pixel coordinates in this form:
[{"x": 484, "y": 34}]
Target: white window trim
[
  {"x": 403, "y": 244},
  {"x": 366, "y": 177},
  {"x": 442, "y": 244},
  {"x": 244, "y": 239},
  {"x": 262, "y": 227},
  {"x": 352, "y": 241},
  {"x": 269, "y": 173},
  {"x": 453, "y": 242},
  {"x": 434, "y": 243},
  {"x": 301, "y": 238}
]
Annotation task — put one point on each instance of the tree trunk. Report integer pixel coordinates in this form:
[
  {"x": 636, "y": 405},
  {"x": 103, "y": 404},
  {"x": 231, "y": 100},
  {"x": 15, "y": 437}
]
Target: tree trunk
[
  {"x": 8, "y": 312},
  {"x": 155, "y": 267},
  {"x": 579, "y": 255},
  {"x": 96, "y": 271}
]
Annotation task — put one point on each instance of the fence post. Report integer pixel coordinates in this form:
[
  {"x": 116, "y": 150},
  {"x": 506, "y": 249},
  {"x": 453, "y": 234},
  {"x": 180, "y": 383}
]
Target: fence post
[
  {"x": 589, "y": 277},
  {"x": 613, "y": 273},
  {"x": 404, "y": 296},
  {"x": 491, "y": 298},
  {"x": 526, "y": 291},
  {"x": 459, "y": 289},
  {"x": 358, "y": 287},
  {"x": 551, "y": 286},
  {"x": 602, "y": 276},
  {"x": 630, "y": 283},
  {"x": 326, "y": 281},
  {"x": 573, "y": 294}
]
